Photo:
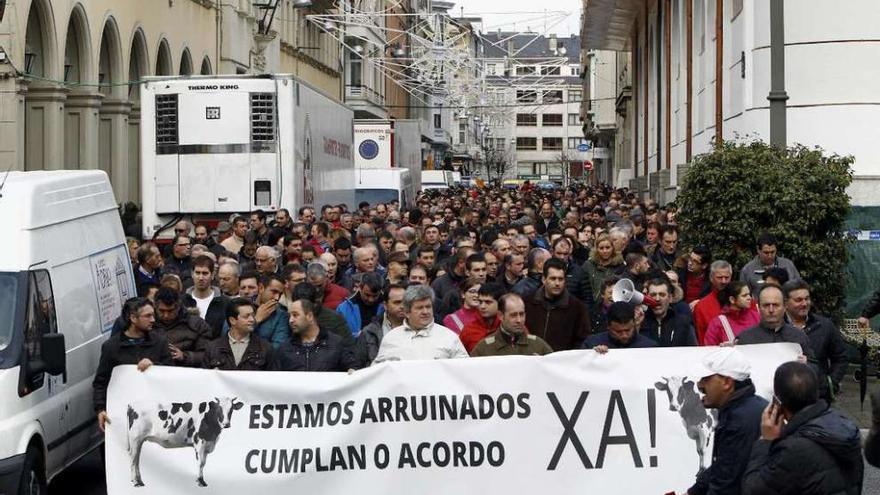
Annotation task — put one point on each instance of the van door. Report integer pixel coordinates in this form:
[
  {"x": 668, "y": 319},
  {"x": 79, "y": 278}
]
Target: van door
[{"x": 41, "y": 391}]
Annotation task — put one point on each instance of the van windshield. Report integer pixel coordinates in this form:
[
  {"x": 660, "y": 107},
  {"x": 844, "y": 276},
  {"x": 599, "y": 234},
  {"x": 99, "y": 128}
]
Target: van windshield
[
  {"x": 376, "y": 196},
  {"x": 8, "y": 297}
]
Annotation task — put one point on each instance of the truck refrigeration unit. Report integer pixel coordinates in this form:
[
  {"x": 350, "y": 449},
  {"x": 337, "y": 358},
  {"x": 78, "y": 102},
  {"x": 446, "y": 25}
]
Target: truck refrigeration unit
[{"x": 214, "y": 146}]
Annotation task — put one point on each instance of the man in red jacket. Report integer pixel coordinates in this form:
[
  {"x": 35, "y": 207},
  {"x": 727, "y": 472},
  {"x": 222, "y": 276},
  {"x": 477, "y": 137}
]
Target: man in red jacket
[
  {"x": 708, "y": 308},
  {"x": 489, "y": 321}
]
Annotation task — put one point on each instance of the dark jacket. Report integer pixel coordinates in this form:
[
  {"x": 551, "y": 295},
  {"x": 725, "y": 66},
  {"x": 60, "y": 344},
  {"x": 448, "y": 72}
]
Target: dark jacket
[
  {"x": 333, "y": 322},
  {"x": 526, "y": 287},
  {"x": 446, "y": 283},
  {"x": 819, "y": 452},
  {"x": 578, "y": 284},
  {"x": 541, "y": 227},
  {"x": 738, "y": 427},
  {"x": 182, "y": 267},
  {"x": 368, "y": 342},
  {"x": 190, "y": 334},
  {"x": 216, "y": 314},
  {"x": 832, "y": 356},
  {"x": 258, "y": 356},
  {"x": 328, "y": 353},
  {"x": 872, "y": 444},
  {"x": 675, "y": 330},
  {"x": 638, "y": 341},
  {"x": 873, "y": 307},
  {"x": 663, "y": 261},
  {"x": 141, "y": 279},
  {"x": 119, "y": 349},
  {"x": 759, "y": 334},
  {"x": 563, "y": 323},
  {"x": 683, "y": 274}
]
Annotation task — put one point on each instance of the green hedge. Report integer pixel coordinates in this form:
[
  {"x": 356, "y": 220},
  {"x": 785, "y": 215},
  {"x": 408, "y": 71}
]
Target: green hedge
[{"x": 731, "y": 195}]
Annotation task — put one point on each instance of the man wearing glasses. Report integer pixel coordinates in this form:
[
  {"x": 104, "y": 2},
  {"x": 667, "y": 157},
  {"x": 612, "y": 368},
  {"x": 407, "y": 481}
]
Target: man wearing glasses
[{"x": 180, "y": 262}]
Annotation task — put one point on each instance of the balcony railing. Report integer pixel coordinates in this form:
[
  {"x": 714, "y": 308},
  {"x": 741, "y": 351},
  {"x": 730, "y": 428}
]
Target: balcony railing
[{"x": 366, "y": 93}]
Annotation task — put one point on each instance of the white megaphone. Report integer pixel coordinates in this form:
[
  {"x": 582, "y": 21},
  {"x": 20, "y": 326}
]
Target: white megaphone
[{"x": 625, "y": 291}]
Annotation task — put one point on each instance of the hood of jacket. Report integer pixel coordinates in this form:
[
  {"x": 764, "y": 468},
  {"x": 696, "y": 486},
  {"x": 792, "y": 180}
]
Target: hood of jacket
[{"x": 831, "y": 429}]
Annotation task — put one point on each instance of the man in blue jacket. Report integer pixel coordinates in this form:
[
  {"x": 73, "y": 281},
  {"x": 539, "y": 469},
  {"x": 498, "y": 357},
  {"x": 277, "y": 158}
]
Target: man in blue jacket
[
  {"x": 360, "y": 309},
  {"x": 724, "y": 379}
]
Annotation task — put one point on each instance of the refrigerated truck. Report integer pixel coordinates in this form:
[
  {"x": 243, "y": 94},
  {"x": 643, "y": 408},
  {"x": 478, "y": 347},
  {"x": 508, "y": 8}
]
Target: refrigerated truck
[
  {"x": 213, "y": 146},
  {"x": 389, "y": 144}
]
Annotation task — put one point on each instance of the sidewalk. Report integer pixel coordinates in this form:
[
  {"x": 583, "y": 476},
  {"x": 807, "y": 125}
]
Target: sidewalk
[{"x": 848, "y": 400}]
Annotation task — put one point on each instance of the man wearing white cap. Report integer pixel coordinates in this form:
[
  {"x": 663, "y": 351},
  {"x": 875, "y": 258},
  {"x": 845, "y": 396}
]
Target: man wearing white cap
[{"x": 723, "y": 378}]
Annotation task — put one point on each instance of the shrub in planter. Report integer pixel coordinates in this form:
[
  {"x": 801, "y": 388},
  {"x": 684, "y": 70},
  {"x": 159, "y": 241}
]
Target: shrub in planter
[{"x": 739, "y": 190}]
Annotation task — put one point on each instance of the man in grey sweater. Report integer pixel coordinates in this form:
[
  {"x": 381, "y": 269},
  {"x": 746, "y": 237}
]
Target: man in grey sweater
[
  {"x": 773, "y": 327},
  {"x": 752, "y": 273}
]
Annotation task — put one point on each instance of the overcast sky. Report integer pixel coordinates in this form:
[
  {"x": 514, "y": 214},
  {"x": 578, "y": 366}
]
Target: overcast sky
[{"x": 524, "y": 13}]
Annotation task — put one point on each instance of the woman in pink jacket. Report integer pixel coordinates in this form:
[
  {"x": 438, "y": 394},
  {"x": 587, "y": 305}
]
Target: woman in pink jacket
[
  {"x": 470, "y": 307},
  {"x": 738, "y": 313}
]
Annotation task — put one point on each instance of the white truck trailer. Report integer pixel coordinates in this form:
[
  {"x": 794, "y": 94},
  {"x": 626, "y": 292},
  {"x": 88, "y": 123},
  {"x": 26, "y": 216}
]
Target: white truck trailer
[{"x": 212, "y": 146}]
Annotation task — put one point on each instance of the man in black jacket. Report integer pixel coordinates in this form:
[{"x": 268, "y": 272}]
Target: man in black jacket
[
  {"x": 240, "y": 349},
  {"x": 136, "y": 345},
  {"x": 186, "y": 333},
  {"x": 206, "y": 298},
  {"x": 667, "y": 328},
  {"x": 310, "y": 348},
  {"x": 724, "y": 379},
  {"x": 576, "y": 280},
  {"x": 806, "y": 447},
  {"x": 832, "y": 357},
  {"x": 871, "y": 310}
]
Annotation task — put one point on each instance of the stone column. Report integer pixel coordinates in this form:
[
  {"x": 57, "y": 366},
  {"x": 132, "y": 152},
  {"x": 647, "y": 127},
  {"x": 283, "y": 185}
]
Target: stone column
[
  {"x": 113, "y": 144},
  {"x": 134, "y": 152},
  {"x": 81, "y": 130},
  {"x": 43, "y": 126}
]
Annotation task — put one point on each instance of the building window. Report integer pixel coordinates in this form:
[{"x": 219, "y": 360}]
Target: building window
[
  {"x": 552, "y": 120},
  {"x": 525, "y": 70},
  {"x": 575, "y": 70},
  {"x": 574, "y": 119},
  {"x": 500, "y": 143},
  {"x": 526, "y": 144},
  {"x": 554, "y": 96},
  {"x": 551, "y": 144},
  {"x": 575, "y": 95},
  {"x": 526, "y": 96},
  {"x": 490, "y": 70},
  {"x": 573, "y": 142},
  {"x": 540, "y": 169},
  {"x": 438, "y": 121},
  {"x": 552, "y": 70},
  {"x": 526, "y": 120}
]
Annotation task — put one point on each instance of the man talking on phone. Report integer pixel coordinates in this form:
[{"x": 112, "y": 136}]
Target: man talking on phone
[
  {"x": 724, "y": 379},
  {"x": 806, "y": 447}
]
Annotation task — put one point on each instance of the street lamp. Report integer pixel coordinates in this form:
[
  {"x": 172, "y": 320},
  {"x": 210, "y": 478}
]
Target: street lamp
[{"x": 29, "y": 57}]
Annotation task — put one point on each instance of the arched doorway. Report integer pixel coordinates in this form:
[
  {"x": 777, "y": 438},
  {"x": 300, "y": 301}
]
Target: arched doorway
[
  {"x": 83, "y": 102},
  {"x": 163, "y": 59},
  {"x": 115, "y": 108},
  {"x": 186, "y": 63},
  {"x": 43, "y": 95},
  {"x": 138, "y": 67},
  {"x": 206, "y": 67}
]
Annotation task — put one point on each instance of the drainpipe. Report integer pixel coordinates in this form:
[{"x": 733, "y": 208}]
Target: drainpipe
[
  {"x": 668, "y": 37},
  {"x": 218, "y": 20},
  {"x": 777, "y": 96},
  {"x": 690, "y": 82},
  {"x": 659, "y": 72},
  {"x": 719, "y": 70}
]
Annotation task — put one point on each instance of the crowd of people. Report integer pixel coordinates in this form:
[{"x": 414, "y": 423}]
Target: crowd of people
[{"x": 500, "y": 272}]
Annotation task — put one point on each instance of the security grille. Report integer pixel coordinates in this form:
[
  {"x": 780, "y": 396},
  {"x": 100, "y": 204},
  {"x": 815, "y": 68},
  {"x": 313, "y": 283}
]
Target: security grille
[
  {"x": 262, "y": 117},
  {"x": 166, "y": 120}
]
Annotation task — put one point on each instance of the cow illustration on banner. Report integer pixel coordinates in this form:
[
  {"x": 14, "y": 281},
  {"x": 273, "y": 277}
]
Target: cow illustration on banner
[{"x": 182, "y": 424}]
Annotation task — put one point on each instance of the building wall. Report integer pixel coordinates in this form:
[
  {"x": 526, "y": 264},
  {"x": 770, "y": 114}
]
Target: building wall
[
  {"x": 90, "y": 117},
  {"x": 833, "y": 97}
]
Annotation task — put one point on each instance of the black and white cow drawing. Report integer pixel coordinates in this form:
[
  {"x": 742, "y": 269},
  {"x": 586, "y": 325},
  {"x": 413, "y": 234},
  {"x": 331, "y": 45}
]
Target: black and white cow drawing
[
  {"x": 180, "y": 424},
  {"x": 698, "y": 422}
]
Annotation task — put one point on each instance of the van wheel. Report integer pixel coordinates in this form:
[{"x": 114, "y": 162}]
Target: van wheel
[{"x": 33, "y": 478}]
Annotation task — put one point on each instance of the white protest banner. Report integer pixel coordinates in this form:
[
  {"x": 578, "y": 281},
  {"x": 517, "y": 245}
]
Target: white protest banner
[{"x": 561, "y": 424}]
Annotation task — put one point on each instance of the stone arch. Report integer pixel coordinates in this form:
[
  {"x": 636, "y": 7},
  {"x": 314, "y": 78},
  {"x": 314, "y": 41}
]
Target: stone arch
[
  {"x": 110, "y": 66},
  {"x": 77, "y": 48},
  {"x": 40, "y": 48},
  {"x": 138, "y": 63},
  {"x": 206, "y": 70},
  {"x": 163, "y": 59},
  {"x": 186, "y": 63}
]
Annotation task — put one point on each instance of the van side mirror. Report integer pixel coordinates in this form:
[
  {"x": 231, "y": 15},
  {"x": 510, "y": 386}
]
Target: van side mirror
[{"x": 54, "y": 356}]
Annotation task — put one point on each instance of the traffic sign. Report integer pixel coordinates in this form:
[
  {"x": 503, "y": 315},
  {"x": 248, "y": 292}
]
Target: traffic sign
[
  {"x": 588, "y": 165},
  {"x": 583, "y": 147}
]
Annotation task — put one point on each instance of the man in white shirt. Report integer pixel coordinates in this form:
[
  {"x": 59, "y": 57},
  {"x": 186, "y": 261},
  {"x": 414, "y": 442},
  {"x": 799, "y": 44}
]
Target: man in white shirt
[{"x": 419, "y": 337}]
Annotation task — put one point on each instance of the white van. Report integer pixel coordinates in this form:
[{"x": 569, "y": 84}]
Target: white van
[
  {"x": 436, "y": 179},
  {"x": 64, "y": 275},
  {"x": 383, "y": 185}
]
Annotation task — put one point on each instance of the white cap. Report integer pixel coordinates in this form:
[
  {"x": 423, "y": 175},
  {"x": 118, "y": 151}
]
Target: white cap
[{"x": 724, "y": 361}]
